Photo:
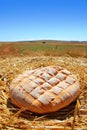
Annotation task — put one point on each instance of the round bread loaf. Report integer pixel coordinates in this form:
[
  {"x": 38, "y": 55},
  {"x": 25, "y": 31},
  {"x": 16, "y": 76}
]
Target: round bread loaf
[{"x": 44, "y": 90}]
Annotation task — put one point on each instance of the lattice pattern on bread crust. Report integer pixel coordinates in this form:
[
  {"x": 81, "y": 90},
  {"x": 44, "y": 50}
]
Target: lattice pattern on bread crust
[{"x": 44, "y": 90}]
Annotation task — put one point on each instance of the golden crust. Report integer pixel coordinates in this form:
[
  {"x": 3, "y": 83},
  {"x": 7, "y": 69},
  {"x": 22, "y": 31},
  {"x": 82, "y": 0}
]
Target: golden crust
[{"x": 44, "y": 90}]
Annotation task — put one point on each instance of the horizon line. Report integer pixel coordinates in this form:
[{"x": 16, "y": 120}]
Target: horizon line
[{"x": 43, "y": 40}]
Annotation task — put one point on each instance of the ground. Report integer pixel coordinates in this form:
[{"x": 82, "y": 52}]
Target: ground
[{"x": 13, "y": 118}]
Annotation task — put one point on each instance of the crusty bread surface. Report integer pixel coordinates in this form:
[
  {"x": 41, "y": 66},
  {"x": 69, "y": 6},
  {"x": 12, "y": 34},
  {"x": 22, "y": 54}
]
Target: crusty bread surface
[{"x": 44, "y": 90}]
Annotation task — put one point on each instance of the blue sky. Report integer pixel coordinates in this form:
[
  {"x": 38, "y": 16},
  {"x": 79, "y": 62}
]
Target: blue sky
[{"x": 43, "y": 19}]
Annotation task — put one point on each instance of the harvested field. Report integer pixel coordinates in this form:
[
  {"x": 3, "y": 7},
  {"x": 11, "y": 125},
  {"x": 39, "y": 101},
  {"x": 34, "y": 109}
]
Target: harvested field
[
  {"x": 12, "y": 118},
  {"x": 47, "y": 48}
]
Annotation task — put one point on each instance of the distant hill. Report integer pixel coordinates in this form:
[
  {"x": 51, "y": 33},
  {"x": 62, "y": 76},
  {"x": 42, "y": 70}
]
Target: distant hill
[{"x": 47, "y": 41}]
